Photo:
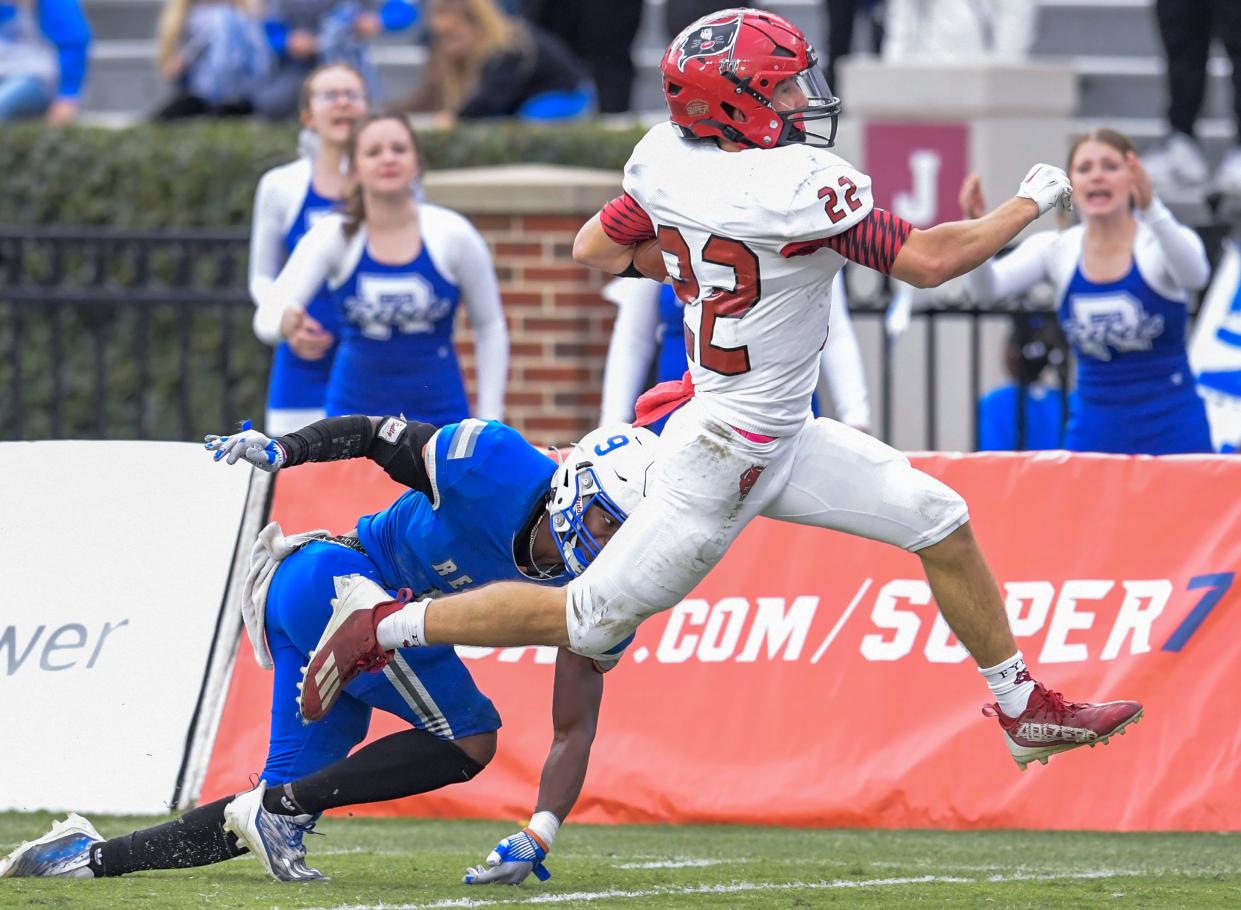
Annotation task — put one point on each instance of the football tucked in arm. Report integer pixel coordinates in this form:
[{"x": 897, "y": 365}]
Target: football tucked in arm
[{"x": 649, "y": 260}]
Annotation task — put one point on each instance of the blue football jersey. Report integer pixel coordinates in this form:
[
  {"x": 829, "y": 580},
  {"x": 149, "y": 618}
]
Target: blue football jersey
[
  {"x": 487, "y": 482},
  {"x": 672, "y": 362}
]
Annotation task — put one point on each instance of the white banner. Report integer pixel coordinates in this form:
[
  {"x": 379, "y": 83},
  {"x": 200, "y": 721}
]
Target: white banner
[
  {"x": 1215, "y": 351},
  {"x": 115, "y": 562}
]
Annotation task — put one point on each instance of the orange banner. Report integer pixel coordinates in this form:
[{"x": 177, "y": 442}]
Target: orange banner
[{"x": 810, "y": 680}]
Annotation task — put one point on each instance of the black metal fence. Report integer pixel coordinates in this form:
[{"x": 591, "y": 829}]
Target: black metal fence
[
  {"x": 140, "y": 335},
  {"x": 146, "y": 335}
]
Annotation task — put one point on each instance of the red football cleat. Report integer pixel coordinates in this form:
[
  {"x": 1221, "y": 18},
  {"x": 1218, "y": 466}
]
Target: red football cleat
[
  {"x": 1049, "y": 725},
  {"x": 348, "y": 645}
]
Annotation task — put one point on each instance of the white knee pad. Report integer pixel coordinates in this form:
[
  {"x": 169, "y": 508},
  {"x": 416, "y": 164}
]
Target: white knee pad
[
  {"x": 598, "y": 617},
  {"x": 940, "y": 508}
]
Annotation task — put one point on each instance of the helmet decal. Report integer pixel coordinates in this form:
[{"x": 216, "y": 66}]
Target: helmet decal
[{"x": 709, "y": 41}]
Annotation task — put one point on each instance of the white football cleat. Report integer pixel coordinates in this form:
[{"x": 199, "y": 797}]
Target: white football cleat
[
  {"x": 276, "y": 840},
  {"x": 62, "y": 852}
]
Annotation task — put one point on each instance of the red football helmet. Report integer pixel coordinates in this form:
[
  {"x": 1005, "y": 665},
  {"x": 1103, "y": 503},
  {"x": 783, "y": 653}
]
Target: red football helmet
[{"x": 749, "y": 77}]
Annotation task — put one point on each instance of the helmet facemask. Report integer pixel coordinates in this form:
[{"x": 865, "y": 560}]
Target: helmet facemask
[
  {"x": 569, "y": 506},
  {"x": 605, "y": 474},
  {"x": 813, "y": 102}
]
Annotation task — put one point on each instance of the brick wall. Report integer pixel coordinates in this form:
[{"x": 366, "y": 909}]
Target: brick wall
[{"x": 558, "y": 323}]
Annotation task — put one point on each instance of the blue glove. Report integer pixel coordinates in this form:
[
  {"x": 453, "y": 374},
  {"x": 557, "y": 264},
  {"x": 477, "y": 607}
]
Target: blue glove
[
  {"x": 510, "y": 862},
  {"x": 259, "y": 450}
]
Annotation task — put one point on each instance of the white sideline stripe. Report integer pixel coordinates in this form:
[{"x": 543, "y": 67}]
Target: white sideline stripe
[
  {"x": 353, "y": 851},
  {"x": 739, "y": 887},
  {"x": 672, "y": 864}
]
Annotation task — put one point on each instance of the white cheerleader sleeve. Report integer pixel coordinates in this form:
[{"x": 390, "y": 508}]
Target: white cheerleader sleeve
[
  {"x": 635, "y": 339},
  {"x": 1185, "y": 257},
  {"x": 315, "y": 257},
  {"x": 840, "y": 366},
  {"x": 266, "y": 243},
  {"x": 481, "y": 293}
]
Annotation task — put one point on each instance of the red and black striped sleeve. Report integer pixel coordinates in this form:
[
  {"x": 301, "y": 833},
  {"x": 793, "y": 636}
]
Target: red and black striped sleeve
[
  {"x": 625, "y": 222},
  {"x": 873, "y": 242}
]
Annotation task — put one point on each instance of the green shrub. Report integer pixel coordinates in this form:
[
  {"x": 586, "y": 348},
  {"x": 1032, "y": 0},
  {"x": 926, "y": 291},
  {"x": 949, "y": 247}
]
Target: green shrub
[{"x": 203, "y": 174}]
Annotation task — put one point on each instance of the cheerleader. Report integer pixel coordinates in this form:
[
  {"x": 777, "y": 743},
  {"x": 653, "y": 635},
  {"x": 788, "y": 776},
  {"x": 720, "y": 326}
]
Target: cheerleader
[
  {"x": 396, "y": 269},
  {"x": 289, "y": 200},
  {"x": 1123, "y": 280}
]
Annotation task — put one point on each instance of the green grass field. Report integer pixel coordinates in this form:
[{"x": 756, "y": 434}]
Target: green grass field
[{"x": 418, "y": 864}]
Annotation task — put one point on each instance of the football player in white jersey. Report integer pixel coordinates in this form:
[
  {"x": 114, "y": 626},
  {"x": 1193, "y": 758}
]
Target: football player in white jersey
[{"x": 754, "y": 218}]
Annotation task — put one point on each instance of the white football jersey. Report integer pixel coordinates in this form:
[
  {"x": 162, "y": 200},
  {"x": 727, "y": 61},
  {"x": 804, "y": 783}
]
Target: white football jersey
[{"x": 755, "y": 319}]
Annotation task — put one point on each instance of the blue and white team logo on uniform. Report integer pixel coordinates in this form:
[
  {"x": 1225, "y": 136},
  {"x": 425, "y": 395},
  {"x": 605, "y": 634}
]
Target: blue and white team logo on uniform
[
  {"x": 313, "y": 215},
  {"x": 1101, "y": 323},
  {"x": 407, "y": 303}
]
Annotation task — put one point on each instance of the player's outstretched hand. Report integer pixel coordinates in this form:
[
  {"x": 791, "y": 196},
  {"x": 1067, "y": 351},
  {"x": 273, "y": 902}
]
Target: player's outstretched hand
[
  {"x": 247, "y": 443},
  {"x": 510, "y": 862},
  {"x": 1047, "y": 186}
]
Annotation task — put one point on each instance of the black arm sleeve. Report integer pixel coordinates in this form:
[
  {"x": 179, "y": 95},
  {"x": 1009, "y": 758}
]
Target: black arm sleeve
[{"x": 391, "y": 442}]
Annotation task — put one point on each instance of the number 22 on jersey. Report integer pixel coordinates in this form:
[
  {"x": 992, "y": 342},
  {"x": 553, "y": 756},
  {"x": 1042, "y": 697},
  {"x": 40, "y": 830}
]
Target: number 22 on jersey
[{"x": 722, "y": 304}]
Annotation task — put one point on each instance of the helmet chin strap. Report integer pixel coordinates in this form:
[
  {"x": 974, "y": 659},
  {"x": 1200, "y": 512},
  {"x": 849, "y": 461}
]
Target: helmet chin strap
[{"x": 540, "y": 572}]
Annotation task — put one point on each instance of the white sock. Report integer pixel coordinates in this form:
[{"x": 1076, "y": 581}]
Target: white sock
[
  {"x": 1011, "y": 684},
  {"x": 404, "y": 628},
  {"x": 545, "y": 825}
]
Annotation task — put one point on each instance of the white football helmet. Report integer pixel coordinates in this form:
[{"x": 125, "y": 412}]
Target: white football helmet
[{"x": 610, "y": 468}]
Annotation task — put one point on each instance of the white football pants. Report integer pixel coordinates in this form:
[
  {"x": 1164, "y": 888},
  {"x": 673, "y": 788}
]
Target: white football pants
[{"x": 708, "y": 482}]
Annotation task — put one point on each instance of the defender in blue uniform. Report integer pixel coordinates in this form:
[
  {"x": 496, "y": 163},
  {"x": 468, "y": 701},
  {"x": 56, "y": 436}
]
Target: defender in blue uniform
[
  {"x": 476, "y": 494},
  {"x": 483, "y": 505}
]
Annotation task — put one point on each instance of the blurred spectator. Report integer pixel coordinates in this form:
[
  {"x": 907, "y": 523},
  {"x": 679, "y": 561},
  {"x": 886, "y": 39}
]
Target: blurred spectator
[
  {"x": 1123, "y": 282},
  {"x": 958, "y": 30},
  {"x": 289, "y": 200},
  {"x": 215, "y": 52},
  {"x": 485, "y": 64},
  {"x": 841, "y": 15},
  {"x": 649, "y": 332},
  {"x": 305, "y": 34},
  {"x": 678, "y": 14},
  {"x": 601, "y": 33},
  {"x": 1186, "y": 28},
  {"x": 1034, "y": 344},
  {"x": 43, "y": 53},
  {"x": 397, "y": 270}
]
